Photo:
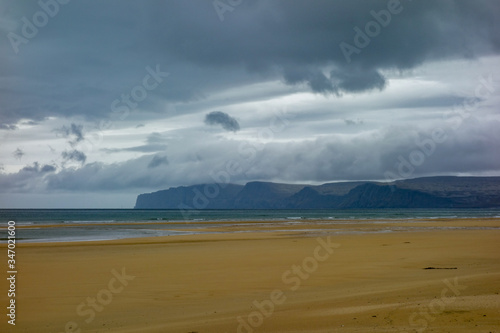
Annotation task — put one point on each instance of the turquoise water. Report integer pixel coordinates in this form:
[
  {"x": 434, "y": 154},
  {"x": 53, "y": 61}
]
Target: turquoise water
[{"x": 84, "y": 223}]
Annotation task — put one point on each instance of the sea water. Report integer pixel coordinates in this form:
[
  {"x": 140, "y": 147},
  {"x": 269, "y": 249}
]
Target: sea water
[{"x": 52, "y": 225}]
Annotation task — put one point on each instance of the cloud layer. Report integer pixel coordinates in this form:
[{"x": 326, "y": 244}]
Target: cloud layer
[
  {"x": 298, "y": 42},
  {"x": 117, "y": 95}
]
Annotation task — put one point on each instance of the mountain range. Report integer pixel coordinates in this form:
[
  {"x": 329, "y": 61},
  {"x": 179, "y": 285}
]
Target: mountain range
[{"x": 428, "y": 192}]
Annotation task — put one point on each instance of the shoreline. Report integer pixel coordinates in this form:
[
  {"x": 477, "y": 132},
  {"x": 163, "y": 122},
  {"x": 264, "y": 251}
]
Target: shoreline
[{"x": 93, "y": 232}]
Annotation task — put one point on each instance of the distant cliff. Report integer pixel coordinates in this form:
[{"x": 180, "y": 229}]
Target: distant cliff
[{"x": 429, "y": 192}]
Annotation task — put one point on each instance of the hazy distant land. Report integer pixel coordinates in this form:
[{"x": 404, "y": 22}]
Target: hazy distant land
[{"x": 429, "y": 192}]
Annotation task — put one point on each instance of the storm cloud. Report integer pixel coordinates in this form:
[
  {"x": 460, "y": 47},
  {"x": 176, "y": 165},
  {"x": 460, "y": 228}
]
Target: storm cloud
[
  {"x": 74, "y": 155},
  {"x": 157, "y": 161},
  {"x": 74, "y": 133},
  {"x": 18, "y": 153},
  {"x": 220, "y": 118},
  {"x": 35, "y": 168},
  {"x": 323, "y": 90},
  {"x": 307, "y": 36}
]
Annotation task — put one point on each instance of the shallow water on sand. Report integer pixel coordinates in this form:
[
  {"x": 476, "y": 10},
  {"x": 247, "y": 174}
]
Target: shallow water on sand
[{"x": 55, "y": 225}]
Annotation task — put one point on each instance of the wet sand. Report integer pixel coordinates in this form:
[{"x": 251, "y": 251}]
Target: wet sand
[{"x": 307, "y": 278}]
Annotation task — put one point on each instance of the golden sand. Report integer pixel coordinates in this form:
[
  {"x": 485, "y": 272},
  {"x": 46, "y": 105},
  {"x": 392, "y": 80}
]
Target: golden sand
[{"x": 287, "y": 279}]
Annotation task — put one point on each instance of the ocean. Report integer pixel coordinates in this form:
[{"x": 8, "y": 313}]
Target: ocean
[{"x": 56, "y": 225}]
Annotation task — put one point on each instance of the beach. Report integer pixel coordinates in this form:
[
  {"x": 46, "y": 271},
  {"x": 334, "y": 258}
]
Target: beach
[{"x": 436, "y": 275}]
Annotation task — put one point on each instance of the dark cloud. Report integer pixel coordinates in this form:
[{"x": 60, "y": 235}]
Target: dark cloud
[
  {"x": 31, "y": 178},
  {"x": 220, "y": 118},
  {"x": 18, "y": 153},
  {"x": 75, "y": 156},
  {"x": 260, "y": 39},
  {"x": 8, "y": 127},
  {"x": 157, "y": 160},
  {"x": 350, "y": 122},
  {"x": 358, "y": 80},
  {"x": 355, "y": 80},
  {"x": 35, "y": 168},
  {"x": 97, "y": 177},
  {"x": 315, "y": 79},
  {"x": 48, "y": 168},
  {"x": 74, "y": 132}
]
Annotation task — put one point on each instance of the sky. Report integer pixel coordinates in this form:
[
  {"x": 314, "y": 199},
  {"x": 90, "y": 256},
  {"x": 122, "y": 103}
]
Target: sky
[{"x": 104, "y": 100}]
